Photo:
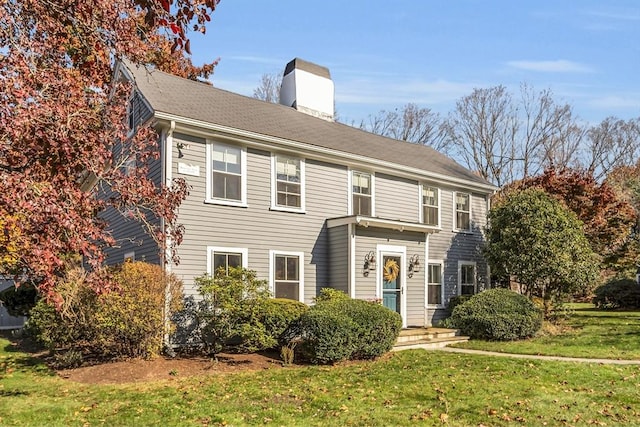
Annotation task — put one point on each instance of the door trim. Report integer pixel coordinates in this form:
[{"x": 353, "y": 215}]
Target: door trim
[{"x": 397, "y": 251}]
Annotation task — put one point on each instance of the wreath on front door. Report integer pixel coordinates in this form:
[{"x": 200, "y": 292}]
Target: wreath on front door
[{"x": 390, "y": 270}]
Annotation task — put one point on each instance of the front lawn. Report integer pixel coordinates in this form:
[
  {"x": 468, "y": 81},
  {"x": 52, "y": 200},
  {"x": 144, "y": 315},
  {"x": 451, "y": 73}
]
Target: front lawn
[
  {"x": 592, "y": 333},
  {"x": 405, "y": 388}
]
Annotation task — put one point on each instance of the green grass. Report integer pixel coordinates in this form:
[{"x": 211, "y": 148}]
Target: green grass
[
  {"x": 413, "y": 387},
  {"x": 593, "y": 334}
]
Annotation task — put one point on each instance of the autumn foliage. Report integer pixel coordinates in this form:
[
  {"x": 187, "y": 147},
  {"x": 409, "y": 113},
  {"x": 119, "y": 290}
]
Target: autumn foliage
[
  {"x": 608, "y": 218},
  {"x": 61, "y": 114}
]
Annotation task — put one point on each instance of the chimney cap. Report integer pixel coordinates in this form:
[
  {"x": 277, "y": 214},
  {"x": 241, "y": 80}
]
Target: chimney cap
[{"x": 310, "y": 67}]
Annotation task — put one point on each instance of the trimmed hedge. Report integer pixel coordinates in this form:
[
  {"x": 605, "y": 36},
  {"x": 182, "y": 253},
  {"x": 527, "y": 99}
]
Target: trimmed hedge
[
  {"x": 344, "y": 329},
  {"x": 619, "y": 293},
  {"x": 496, "y": 314},
  {"x": 277, "y": 314}
]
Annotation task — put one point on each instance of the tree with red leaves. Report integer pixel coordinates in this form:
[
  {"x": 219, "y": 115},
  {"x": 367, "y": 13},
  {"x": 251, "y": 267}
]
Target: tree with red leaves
[
  {"x": 608, "y": 218},
  {"x": 62, "y": 114}
]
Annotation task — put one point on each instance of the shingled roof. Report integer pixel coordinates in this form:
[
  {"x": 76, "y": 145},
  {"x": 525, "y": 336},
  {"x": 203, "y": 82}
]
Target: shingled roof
[{"x": 190, "y": 99}]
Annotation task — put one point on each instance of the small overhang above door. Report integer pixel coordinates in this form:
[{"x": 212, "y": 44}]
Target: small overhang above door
[{"x": 390, "y": 224}]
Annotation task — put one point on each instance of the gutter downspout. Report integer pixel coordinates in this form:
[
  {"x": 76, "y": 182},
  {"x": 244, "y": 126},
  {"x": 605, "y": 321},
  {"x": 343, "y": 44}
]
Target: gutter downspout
[{"x": 167, "y": 164}]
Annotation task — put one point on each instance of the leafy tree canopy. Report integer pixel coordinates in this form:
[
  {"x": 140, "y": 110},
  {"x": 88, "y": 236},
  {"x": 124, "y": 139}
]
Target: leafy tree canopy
[
  {"x": 607, "y": 215},
  {"x": 539, "y": 243},
  {"x": 61, "y": 112}
]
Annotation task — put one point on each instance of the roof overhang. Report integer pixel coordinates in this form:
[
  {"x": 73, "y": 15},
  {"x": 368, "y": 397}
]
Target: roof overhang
[
  {"x": 207, "y": 129},
  {"x": 389, "y": 224}
]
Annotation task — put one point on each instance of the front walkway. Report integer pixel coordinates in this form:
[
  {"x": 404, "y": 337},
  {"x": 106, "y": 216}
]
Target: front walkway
[{"x": 537, "y": 357}]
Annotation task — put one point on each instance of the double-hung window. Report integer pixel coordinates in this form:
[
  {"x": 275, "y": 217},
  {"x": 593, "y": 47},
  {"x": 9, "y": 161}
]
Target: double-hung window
[
  {"x": 463, "y": 211},
  {"x": 430, "y": 206},
  {"x": 226, "y": 173},
  {"x": 288, "y": 191},
  {"x": 466, "y": 278},
  {"x": 434, "y": 289},
  {"x": 221, "y": 259},
  {"x": 287, "y": 277},
  {"x": 361, "y": 200}
]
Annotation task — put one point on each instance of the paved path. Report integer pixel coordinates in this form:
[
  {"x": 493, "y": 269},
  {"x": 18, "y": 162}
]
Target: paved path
[{"x": 536, "y": 357}]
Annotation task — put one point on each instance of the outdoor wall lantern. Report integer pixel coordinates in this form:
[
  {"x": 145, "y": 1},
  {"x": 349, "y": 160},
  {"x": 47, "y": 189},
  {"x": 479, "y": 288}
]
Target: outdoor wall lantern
[
  {"x": 369, "y": 263},
  {"x": 414, "y": 265}
]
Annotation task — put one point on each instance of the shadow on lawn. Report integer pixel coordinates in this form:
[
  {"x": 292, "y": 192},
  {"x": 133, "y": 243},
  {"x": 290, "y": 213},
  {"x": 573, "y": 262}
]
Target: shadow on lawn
[{"x": 23, "y": 354}]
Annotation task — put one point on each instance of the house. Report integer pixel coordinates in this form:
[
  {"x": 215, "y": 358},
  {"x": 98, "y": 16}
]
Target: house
[{"x": 307, "y": 202}]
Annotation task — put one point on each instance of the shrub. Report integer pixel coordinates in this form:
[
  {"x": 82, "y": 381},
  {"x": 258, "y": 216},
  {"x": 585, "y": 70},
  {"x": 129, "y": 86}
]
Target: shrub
[
  {"x": 125, "y": 322},
  {"x": 229, "y": 314},
  {"x": 132, "y": 319},
  {"x": 618, "y": 293},
  {"x": 19, "y": 301},
  {"x": 496, "y": 314},
  {"x": 330, "y": 294},
  {"x": 336, "y": 330},
  {"x": 457, "y": 300},
  {"x": 327, "y": 334},
  {"x": 277, "y": 314},
  {"x": 70, "y": 324}
]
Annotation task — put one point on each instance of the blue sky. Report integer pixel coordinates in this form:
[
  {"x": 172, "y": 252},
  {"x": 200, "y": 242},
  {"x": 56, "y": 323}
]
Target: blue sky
[{"x": 383, "y": 55}]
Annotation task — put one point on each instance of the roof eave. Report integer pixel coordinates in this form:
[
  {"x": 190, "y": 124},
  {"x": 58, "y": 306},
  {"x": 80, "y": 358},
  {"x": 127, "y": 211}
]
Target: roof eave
[{"x": 256, "y": 139}]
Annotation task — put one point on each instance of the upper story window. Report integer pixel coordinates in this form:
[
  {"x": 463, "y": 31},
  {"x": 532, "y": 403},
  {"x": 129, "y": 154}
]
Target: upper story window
[
  {"x": 227, "y": 176},
  {"x": 288, "y": 191},
  {"x": 463, "y": 211},
  {"x": 430, "y": 205},
  {"x": 361, "y": 194}
]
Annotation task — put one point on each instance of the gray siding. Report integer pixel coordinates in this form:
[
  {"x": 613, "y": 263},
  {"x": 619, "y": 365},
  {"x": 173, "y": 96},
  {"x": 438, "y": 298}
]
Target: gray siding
[
  {"x": 453, "y": 246},
  {"x": 339, "y": 258},
  {"x": 130, "y": 235},
  {"x": 256, "y": 227},
  {"x": 367, "y": 239},
  {"x": 396, "y": 198}
]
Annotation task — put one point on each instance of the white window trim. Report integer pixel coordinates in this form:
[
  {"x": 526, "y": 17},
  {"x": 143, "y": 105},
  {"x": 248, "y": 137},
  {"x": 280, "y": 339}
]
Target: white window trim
[
  {"x": 455, "y": 213},
  {"x": 209, "y": 171},
  {"x": 129, "y": 256},
  {"x": 274, "y": 180},
  {"x": 475, "y": 276},
  {"x": 211, "y": 249},
  {"x": 350, "y": 190},
  {"x": 272, "y": 285},
  {"x": 441, "y": 264},
  {"x": 421, "y": 206}
]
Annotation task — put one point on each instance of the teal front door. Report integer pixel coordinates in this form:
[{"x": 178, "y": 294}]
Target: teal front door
[{"x": 391, "y": 286}]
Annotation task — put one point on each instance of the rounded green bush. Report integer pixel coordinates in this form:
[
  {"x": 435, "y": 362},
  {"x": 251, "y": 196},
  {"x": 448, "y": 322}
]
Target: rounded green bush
[
  {"x": 618, "y": 293},
  {"x": 327, "y": 334},
  {"x": 342, "y": 329},
  {"x": 277, "y": 314},
  {"x": 497, "y": 314}
]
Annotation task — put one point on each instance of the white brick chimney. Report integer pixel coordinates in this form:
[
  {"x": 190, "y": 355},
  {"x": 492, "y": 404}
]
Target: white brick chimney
[{"x": 307, "y": 87}]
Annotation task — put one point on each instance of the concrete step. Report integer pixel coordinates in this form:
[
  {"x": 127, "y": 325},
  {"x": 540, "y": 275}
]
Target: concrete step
[
  {"x": 429, "y": 343},
  {"x": 420, "y": 334}
]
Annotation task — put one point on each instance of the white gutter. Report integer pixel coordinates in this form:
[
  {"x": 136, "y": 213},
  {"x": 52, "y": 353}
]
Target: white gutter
[{"x": 321, "y": 153}]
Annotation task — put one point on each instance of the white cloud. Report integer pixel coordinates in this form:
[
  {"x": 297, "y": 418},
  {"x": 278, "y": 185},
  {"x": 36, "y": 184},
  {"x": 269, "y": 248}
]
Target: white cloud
[
  {"x": 399, "y": 92},
  {"x": 629, "y": 101},
  {"x": 557, "y": 66},
  {"x": 258, "y": 60}
]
